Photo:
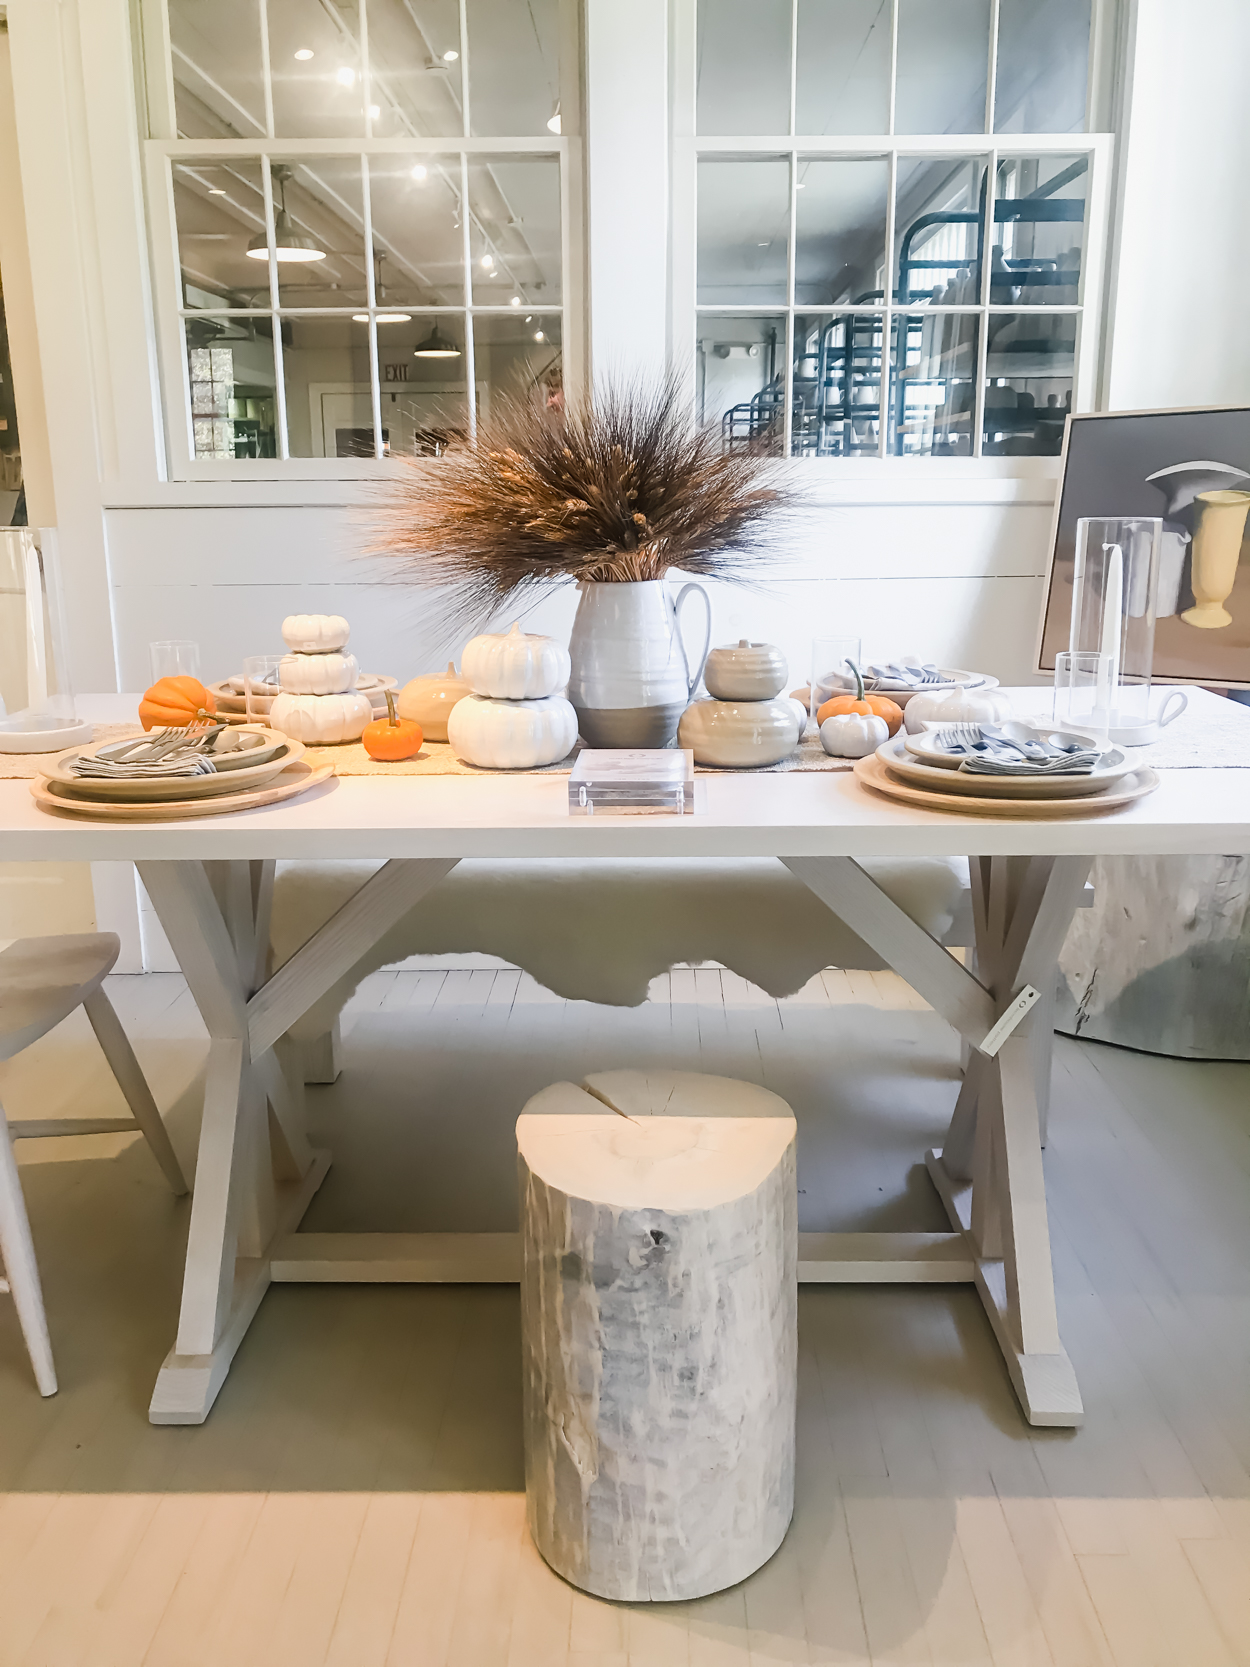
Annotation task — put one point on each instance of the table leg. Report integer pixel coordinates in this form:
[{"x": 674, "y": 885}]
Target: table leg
[
  {"x": 989, "y": 1172},
  {"x": 256, "y": 1173}
]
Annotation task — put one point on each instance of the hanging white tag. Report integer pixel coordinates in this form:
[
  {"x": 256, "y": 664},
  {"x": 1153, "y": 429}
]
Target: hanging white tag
[{"x": 1008, "y": 1020}]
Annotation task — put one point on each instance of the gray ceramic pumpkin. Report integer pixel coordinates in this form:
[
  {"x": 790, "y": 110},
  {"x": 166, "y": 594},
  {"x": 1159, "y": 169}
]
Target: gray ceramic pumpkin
[
  {"x": 739, "y": 734},
  {"x": 746, "y": 671}
]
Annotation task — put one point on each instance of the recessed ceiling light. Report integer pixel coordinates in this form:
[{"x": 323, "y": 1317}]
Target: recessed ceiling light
[
  {"x": 304, "y": 54},
  {"x": 516, "y": 301},
  {"x": 346, "y": 77},
  {"x": 418, "y": 171},
  {"x": 450, "y": 57}
]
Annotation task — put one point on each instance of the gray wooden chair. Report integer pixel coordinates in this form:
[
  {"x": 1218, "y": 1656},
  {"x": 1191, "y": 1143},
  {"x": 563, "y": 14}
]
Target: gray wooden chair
[{"x": 42, "y": 981}]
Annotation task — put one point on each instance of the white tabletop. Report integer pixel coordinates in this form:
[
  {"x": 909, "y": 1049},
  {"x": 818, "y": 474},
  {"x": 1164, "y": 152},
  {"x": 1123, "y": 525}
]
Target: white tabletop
[{"x": 794, "y": 814}]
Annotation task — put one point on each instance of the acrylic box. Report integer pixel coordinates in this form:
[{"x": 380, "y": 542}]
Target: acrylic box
[{"x": 630, "y": 780}]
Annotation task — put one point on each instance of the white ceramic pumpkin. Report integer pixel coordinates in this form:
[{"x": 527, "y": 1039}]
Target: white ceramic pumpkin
[
  {"x": 739, "y": 734},
  {"x": 317, "y": 674},
  {"x": 745, "y": 671},
  {"x": 514, "y": 665},
  {"x": 956, "y": 706},
  {"x": 321, "y": 720},
  {"x": 428, "y": 701},
  {"x": 315, "y": 633},
  {"x": 853, "y": 734},
  {"x": 511, "y": 734}
]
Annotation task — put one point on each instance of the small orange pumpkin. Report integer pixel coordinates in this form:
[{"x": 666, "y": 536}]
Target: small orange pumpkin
[
  {"x": 392, "y": 738},
  {"x": 862, "y": 705},
  {"x": 175, "y": 702}
]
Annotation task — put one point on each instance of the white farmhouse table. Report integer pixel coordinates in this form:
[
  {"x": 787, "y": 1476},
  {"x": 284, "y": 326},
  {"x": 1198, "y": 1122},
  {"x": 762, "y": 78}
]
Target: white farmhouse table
[{"x": 210, "y": 881}]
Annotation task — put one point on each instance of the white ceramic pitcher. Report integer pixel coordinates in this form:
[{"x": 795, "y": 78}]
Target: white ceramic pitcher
[{"x": 632, "y": 678}]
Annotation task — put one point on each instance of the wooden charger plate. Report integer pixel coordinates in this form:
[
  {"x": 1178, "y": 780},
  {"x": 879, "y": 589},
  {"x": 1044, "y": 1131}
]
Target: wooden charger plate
[
  {"x": 872, "y": 772},
  {"x": 296, "y": 778}
]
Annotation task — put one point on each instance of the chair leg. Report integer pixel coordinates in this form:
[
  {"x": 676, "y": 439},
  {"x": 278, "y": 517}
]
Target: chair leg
[
  {"x": 134, "y": 1085},
  {"x": 22, "y": 1271}
]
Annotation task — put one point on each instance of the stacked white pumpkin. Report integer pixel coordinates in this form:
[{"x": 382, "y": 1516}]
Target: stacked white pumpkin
[
  {"x": 517, "y": 717},
  {"x": 318, "y": 701}
]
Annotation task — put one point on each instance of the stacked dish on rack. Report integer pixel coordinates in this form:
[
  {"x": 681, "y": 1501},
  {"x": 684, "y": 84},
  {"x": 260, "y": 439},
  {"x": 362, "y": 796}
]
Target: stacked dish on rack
[
  {"x": 1011, "y": 769},
  {"x": 271, "y": 769}
]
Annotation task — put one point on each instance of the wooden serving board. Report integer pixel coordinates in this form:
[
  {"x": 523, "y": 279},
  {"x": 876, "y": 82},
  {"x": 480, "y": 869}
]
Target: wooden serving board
[
  {"x": 296, "y": 778},
  {"x": 872, "y": 772}
]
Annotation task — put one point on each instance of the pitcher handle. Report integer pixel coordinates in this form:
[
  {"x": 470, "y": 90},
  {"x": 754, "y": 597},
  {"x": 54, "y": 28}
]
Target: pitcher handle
[
  {"x": 692, "y": 681},
  {"x": 1166, "y": 711}
]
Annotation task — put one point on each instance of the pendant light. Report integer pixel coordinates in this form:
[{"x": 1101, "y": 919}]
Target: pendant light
[
  {"x": 436, "y": 346},
  {"x": 288, "y": 244}
]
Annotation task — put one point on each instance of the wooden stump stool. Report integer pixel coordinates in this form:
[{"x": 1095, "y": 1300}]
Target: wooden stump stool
[{"x": 659, "y": 1325}]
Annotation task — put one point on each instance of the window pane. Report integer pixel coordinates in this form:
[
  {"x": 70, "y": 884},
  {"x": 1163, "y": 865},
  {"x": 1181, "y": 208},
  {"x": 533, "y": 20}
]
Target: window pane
[
  {"x": 218, "y": 87},
  {"x": 743, "y": 66},
  {"x": 320, "y": 245},
  {"x": 325, "y": 367},
  {"x": 840, "y": 252},
  {"x": 938, "y": 230},
  {"x": 740, "y": 370},
  {"x": 514, "y": 66},
  {"x": 414, "y": 85},
  {"x": 843, "y": 70},
  {"x": 1039, "y": 229},
  {"x": 417, "y": 238},
  {"x": 837, "y": 385},
  {"x": 515, "y": 231},
  {"x": 943, "y": 60},
  {"x": 321, "y": 97},
  {"x": 1028, "y": 389},
  {"x": 230, "y": 369},
  {"x": 423, "y": 403},
  {"x": 219, "y": 208},
  {"x": 744, "y": 217},
  {"x": 519, "y": 358},
  {"x": 934, "y": 367},
  {"x": 1043, "y": 66}
]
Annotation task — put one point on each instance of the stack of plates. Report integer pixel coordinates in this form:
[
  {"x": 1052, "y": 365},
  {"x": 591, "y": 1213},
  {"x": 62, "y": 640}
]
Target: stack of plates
[
  {"x": 232, "y": 702},
  {"x": 909, "y": 768},
  {"x": 265, "y": 775},
  {"x": 950, "y": 678}
]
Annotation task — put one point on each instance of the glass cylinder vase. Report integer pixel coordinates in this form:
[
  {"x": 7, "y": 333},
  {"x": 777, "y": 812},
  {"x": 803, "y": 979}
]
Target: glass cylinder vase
[
  {"x": 1114, "y": 590},
  {"x": 37, "y": 711}
]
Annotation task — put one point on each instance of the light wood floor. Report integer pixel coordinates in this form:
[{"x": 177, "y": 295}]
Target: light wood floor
[{"x": 354, "y": 1498}]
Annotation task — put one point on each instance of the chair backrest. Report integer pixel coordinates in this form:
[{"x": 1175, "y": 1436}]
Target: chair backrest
[{"x": 42, "y": 980}]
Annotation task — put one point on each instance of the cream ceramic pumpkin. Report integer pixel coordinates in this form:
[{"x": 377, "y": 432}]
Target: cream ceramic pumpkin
[
  {"x": 428, "y": 701},
  {"x": 853, "y": 734},
  {"x": 321, "y": 720},
  {"x": 315, "y": 633},
  {"x": 515, "y": 666},
  {"x": 746, "y": 671},
  {"x": 739, "y": 734},
  {"x": 956, "y": 706},
  {"x": 512, "y": 734},
  {"x": 317, "y": 674}
]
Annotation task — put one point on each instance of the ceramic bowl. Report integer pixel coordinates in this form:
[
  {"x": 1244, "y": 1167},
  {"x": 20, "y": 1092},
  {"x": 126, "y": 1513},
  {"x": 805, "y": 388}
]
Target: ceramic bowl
[
  {"x": 739, "y": 734},
  {"x": 745, "y": 671}
]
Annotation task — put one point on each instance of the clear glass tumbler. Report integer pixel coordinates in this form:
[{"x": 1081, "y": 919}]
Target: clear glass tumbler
[
  {"x": 179, "y": 657},
  {"x": 1083, "y": 692},
  {"x": 260, "y": 685},
  {"x": 832, "y": 674}
]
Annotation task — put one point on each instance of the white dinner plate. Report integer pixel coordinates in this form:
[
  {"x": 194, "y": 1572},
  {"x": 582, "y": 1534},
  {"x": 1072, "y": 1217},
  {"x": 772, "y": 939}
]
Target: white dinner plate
[
  {"x": 921, "y": 746},
  {"x": 1109, "y": 770},
  {"x": 154, "y": 789}
]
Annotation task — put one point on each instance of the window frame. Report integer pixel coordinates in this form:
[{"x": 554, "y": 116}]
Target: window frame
[
  {"x": 690, "y": 147},
  {"x": 163, "y": 149}
]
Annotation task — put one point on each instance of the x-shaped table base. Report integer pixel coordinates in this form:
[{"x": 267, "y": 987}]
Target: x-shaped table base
[{"x": 256, "y": 1173}]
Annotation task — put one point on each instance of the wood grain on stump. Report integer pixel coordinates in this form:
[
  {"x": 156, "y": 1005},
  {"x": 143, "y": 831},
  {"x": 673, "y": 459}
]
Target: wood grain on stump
[{"x": 659, "y": 1324}]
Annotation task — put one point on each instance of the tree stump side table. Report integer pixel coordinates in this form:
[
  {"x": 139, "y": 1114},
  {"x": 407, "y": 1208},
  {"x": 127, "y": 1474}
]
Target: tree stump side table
[{"x": 659, "y": 1227}]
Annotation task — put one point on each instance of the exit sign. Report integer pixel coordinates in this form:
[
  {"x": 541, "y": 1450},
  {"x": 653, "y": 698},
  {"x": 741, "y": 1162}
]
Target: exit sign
[{"x": 395, "y": 373}]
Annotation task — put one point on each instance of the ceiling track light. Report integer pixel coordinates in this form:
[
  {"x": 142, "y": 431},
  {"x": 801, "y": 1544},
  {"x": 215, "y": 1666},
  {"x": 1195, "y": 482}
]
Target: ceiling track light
[{"x": 288, "y": 244}]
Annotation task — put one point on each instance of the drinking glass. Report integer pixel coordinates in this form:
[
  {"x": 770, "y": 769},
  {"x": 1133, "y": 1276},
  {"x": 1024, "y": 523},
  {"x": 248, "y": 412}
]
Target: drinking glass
[
  {"x": 179, "y": 657},
  {"x": 260, "y": 685},
  {"x": 1083, "y": 692},
  {"x": 832, "y": 660}
]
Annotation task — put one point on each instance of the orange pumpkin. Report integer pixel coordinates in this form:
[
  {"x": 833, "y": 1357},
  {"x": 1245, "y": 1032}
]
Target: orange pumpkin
[
  {"x": 862, "y": 705},
  {"x": 175, "y": 702},
  {"x": 392, "y": 737}
]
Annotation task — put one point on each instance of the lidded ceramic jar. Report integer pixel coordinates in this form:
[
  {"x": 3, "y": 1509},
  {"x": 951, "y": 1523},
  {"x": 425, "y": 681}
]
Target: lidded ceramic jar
[
  {"x": 745, "y": 734},
  {"x": 745, "y": 671}
]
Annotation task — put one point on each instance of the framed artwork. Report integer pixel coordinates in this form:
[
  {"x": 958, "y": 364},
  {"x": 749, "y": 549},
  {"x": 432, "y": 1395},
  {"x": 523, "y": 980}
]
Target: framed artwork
[{"x": 1192, "y": 469}]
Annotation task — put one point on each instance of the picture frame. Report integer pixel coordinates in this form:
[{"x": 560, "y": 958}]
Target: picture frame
[{"x": 1108, "y": 460}]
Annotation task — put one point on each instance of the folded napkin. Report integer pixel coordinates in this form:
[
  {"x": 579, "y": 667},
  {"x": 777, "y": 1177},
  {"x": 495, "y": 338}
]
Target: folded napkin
[
  {"x": 891, "y": 676},
  {"x": 1006, "y": 763},
  {"x": 182, "y": 763}
]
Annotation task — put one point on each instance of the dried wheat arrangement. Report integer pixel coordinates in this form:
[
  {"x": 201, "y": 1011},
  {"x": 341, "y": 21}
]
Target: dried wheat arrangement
[{"x": 620, "y": 490}]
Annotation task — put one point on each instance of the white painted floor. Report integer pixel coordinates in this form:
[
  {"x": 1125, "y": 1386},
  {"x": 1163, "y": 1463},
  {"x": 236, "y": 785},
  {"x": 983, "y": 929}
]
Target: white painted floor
[{"x": 354, "y": 1498}]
